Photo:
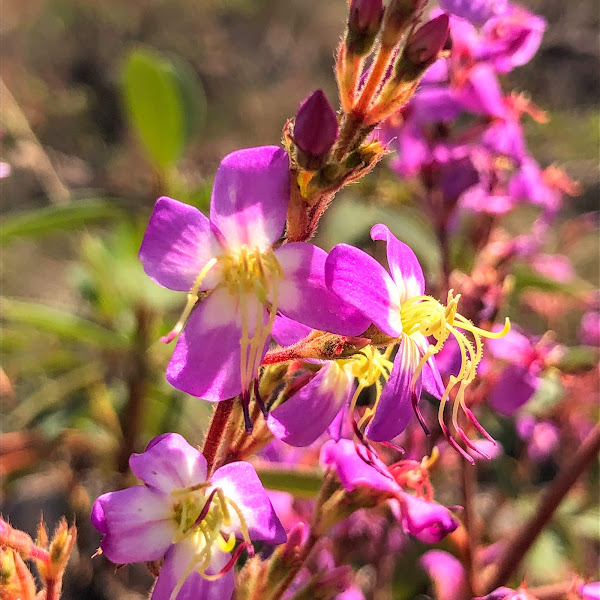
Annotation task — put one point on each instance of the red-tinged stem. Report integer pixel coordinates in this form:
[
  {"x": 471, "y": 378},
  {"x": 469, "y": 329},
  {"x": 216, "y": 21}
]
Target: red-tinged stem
[
  {"x": 551, "y": 499},
  {"x": 216, "y": 432},
  {"x": 373, "y": 81},
  {"x": 468, "y": 475},
  {"x": 53, "y": 589}
]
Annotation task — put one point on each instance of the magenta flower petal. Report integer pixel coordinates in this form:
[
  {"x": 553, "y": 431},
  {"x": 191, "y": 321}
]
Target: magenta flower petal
[
  {"x": 405, "y": 268},
  {"x": 429, "y": 522},
  {"x": 250, "y": 197},
  {"x": 482, "y": 93},
  {"x": 136, "y": 523},
  {"x": 287, "y": 332},
  {"x": 310, "y": 411},
  {"x": 475, "y": 11},
  {"x": 362, "y": 282},
  {"x": 206, "y": 360},
  {"x": 431, "y": 379},
  {"x": 240, "y": 483},
  {"x": 304, "y": 297},
  {"x": 354, "y": 472},
  {"x": 515, "y": 386},
  {"x": 514, "y": 347},
  {"x": 591, "y": 591},
  {"x": 179, "y": 241},
  {"x": 446, "y": 572},
  {"x": 394, "y": 410},
  {"x": 177, "y": 561},
  {"x": 169, "y": 464}
]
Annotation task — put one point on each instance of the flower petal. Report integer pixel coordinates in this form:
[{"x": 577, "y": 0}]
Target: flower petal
[
  {"x": 308, "y": 413},
  {"x": 447, "y": 573},
  {"x": 429, "y": 522},
  {"x": 250, "y": 197},
  {"x": 304, "y": 297},
  {"x": 405, "y": 268},
  {"x": 354, "y": 472},
  {"x": 170, "y": 463},
  {"x": 137, "y": 523},
  {"x": 515, "y": 386},
  {"x": 287, "y": 332},
  {"x": 514, "y": 347},
  {"x": 206, "y": 360},
  {"x": 362, "y": 282},
  {"x": 394, "y": 410},
  {"x": 431, "y": 379},
  {"x": 178, "y": 559},
  {"x": 178, "y": 242},
  {"x": 240, "y": 483}
]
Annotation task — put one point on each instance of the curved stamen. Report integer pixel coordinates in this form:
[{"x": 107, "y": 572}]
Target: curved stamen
[{"x": 192, "y": 298}]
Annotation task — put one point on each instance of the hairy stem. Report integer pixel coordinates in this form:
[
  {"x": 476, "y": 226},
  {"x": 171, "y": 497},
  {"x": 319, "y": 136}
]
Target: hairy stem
[
  {"x": 216, "y": 432},
  {"x": 554, "y": 495},
  {"x": 295, "y": 569}
]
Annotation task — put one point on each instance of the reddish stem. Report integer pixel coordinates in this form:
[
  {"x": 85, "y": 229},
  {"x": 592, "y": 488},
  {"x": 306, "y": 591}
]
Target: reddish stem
[
  {"x": 216, "y": 432},
  {"x": 554, "y": 495}
]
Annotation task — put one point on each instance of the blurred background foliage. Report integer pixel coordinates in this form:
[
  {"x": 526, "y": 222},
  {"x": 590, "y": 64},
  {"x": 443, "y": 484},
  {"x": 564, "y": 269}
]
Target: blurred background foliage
[{"x": 107, "y": 105}]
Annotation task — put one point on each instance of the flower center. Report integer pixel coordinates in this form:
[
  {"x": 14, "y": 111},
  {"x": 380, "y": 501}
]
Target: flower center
[
  {"x": 248, "y": 273},
  {"x": 369, "y": 367},
  {"x": 203, "y": 518},
  {"x": 425, "y": 315}
]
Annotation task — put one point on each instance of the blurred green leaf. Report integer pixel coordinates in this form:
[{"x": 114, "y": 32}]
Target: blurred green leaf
[
  {"x": 548, "y": 394},
  {"x": 302, "y": 483},
  {"x": 57, "y": 218},
  {"x": 52, "y": 393},
  {"x": 525, "y": 277},
  {"x": 164, "y": 103},
  {"x": 61, "y": 323}
]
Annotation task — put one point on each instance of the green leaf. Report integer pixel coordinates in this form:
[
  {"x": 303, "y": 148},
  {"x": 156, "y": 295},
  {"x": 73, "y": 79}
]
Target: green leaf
[
  {"x": 302, "y": 483},
  {"x": 52, "y": 393},
  {"x": 161, "y": 101},
  {"x": 57, "y": 218},
  {"x": 61, "y": 323}
]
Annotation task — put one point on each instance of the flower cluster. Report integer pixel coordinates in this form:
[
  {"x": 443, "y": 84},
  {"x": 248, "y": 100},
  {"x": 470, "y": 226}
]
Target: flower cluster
[{"x": 332, "y": 350}]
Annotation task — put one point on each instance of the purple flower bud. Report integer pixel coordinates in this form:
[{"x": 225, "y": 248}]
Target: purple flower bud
[
  {"x": 364, "y": 22},
  {"x": 424, "y": 45},
  {"x": 398, "y": 15},
  {"x": 429, "y": 522},
  {"x": 315, "y": 129}
]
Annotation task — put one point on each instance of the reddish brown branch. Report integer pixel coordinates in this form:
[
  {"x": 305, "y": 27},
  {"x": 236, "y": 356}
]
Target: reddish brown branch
[{"x": 554, "y": 495}]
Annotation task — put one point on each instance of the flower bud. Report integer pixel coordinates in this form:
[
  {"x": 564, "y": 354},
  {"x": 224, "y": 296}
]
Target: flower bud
[
  {"x": 424, "y": 45},
  {"x": 398, "y": 15},
  {"x": 315, "y": 130},
  {"x": 429, "y": 522},
  {"x": 364, "y": 22}
]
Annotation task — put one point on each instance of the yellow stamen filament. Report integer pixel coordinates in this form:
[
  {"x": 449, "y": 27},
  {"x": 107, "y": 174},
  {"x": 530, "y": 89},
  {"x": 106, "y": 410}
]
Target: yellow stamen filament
[
  {"x": 369, "y": 366},
  {"x": 426, "y": 316},
  {"x": 190, "y": 506},
  {"x": 192, "y": 298}
]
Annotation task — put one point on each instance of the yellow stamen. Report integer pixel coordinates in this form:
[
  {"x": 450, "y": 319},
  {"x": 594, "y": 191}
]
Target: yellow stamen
[
  {"x": 426, "y": 316},
  {"x": 208, "y": 533}
]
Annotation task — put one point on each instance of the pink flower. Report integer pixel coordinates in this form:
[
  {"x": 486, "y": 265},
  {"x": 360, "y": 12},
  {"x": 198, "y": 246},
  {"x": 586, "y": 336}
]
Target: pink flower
[
  {"x": 398, "y": 306},
  {"x": 236, "y": 280},
  {"x": 190, "y": 521},
  {"x": 426, "y": 520}
]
